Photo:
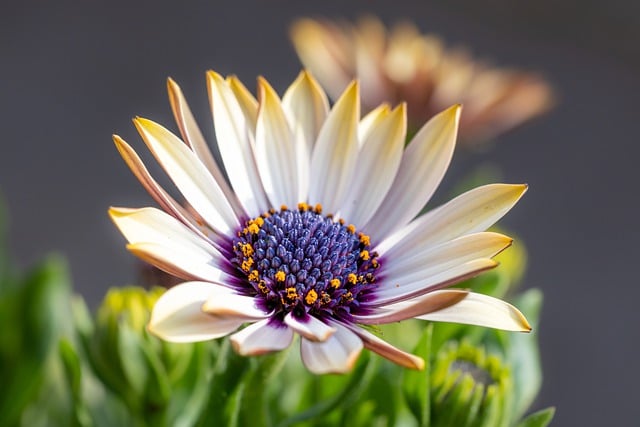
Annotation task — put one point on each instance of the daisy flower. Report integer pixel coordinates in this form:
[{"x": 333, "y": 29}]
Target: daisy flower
[
  {"x": 402, "y": 64},
  {"x": 308, "y": 227}
]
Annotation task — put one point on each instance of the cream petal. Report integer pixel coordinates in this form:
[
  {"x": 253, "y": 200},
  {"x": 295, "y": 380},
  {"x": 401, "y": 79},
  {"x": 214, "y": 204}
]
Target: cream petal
[
  {"x": 261, "y": 337},
  {"x": 247, "y": 102},
  {"x": 233, "y": 305},
  {"x": 190, "y": 176},
  {"x": 235, "y": 142},
  {"x": 378, "y": 162},
  {"x": 306, "y": 107},
  {"x": 388, "y": 351},
  {"x": 423, "y": 165},
  {"x": 458, "y": 251},
  {"x": 310, "y": 327},
  {"x": 177, "y": 315},
  {"x": 334, "y": 155},
  {"x": 155, "y": 190},
  {"x": 481, "y": 310},
  {"x": 428, "y": 303},
  {"x": 371, "y": 121},
  {"x": 404, "y": 289},
  {"x": 275, "y": 150},
  {"x": 476, "y": 210},
  {"x": 192, "y": 135},
  {"x": 336, "y": 355}
]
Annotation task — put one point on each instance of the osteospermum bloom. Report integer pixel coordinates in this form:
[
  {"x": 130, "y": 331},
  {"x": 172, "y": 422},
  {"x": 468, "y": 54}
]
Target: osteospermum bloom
[
  {"x": 314, "y": 232},
  {"x": 401, "y": 64}
]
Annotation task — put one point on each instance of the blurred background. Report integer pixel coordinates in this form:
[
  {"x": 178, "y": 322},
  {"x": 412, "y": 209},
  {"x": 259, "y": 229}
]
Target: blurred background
[{"x": 73, "y": 73}]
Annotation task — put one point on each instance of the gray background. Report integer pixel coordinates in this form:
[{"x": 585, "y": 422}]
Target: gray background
[{"x": 71, "y": 74}]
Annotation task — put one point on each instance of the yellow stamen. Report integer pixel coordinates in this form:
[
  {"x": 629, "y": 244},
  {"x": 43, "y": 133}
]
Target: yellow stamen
[
  {"x": 253, "y": 228},
  {"x": 364, "y": 239},
  {"x": 374, "y": 263},
  {"x": 246, "y": 265},
  {"x": 259, "y": 221},
  {"x": 341, "y": 221},
  {"x": 303, "y": 207},
  {"x": 283, "y": 207},
  {"x": 334, "y": 283},
  {"x": 292, "y": 293},
  {"x": 247, "y": 249},
  {"x": 326, "y": 299},
  {"x": 311, "y": 297},
  {"x": 318, "y": 208},
  {"x": 365, "y": 255},
  {"x": 351, "y": 228},
  {"x": 254, "y": 276},
  {"x": 352, "y": 278},
  {"x": 280, "y": 276},
  {"x": 348, "y": 297},
  {"x": 263, "y": 287}
]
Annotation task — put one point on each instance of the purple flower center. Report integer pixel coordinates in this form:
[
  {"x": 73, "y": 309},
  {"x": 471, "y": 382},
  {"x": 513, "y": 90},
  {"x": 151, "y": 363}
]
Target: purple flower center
[{"x": 300, "y": 261}]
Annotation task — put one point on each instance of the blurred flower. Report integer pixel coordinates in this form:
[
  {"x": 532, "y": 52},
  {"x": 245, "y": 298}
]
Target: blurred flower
[
  {"x": 261, "y": 248},
  {"x": 404, "y": 65}
]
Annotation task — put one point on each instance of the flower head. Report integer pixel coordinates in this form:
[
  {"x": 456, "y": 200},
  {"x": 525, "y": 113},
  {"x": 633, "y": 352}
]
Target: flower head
[
  {"x": 402, "y": 64},
  {"x": 313, "y": 233}
]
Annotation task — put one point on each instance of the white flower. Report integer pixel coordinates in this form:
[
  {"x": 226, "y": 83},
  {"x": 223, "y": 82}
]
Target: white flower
[{"x": 314, "y": 232}]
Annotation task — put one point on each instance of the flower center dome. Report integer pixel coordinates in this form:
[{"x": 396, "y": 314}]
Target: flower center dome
[{"x": 300, "y": 261}]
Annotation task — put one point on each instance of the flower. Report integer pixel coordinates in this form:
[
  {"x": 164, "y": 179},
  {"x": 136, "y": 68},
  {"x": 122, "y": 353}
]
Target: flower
[
  {"x": 314, "y": 231},
  {"x": 404, "y": 65}
]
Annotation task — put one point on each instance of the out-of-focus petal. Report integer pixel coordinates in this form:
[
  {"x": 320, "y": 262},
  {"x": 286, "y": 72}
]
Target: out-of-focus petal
[{"x": 261, "y": 337}]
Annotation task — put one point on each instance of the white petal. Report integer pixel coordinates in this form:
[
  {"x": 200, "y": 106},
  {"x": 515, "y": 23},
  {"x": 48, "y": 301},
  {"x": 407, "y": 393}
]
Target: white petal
[
  {"x": 193, "y": 137},
  {"x": 234, "y": 137},
  {"x": 335, "y": 152},
  {"x": 423, "y": 165},
  {"x": 337, "y": 355},
  {"x": 248, "y": 104},
  {"x": 378, "y": 162},
  {"x": 190, "y": 176},
  {"x": 476, "y": 210},
  {"x": 371, "y": 121},
  {"x": 177, "y": 315},
  {"x": 306, "y": 107},
  {"x": 233, "y": 305},
  {"x": 388, "y": 351},
  {"x": 275, "y": 151},
  {"x": 430, "y": 280},
  {"x": 428, "y": 303},
  {"x": 310, "y": 327},
  {"x": 481, "y": 310},
  {"x": 443, "y": 255},
  {"x": 261, "y": 337}
]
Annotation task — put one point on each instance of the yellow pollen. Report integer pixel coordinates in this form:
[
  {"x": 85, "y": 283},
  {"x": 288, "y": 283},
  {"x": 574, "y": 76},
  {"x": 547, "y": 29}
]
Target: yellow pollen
[
  {"x": 318, "y": 208},
  {"x": 263, "y": 287},
  {"x": 254, "y": 275},
  {"x": 283, "y": 207},
  {"x": 303, "y": 207},
  {"x": 280, "y": 276},
  {"x": 364, "y": 239},
  {"x": 365, "y": 255},
  {"x": 335, "y": 283},
  {"x": 351, "y": 228},
  {"x": 247, "y": 249},
  {"x": 341, "y": 221},
  {"x": 374, "y": 263},
  {"x": 326, "y": 299},
  {"x": 246, "y": 264},
  {"x": 292, "y": 293},
  {"x": 348, "y": 297},
  {"x": 253, "y": 228},
  {"x": 352, "y": 278},
  {"x": 272, "y": 211},
  {"x": 311, "y": 297},
  {"x": 259, "y": 221}
]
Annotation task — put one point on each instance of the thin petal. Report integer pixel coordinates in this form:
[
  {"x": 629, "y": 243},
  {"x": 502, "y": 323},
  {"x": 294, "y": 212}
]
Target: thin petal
[
  {"x": 428, "y": 303},
  {"x": 310, "y": 327},
  {"x": 388, "y": 351},
  {"x": 476, "y": 210},
  {"x": 458, "y": 251},
  {"x": 192, "y": 135},
  {"x": 233, "y": 305},
  {"x": 261, "y": 337},
  {"x": 275, "y": 151},
  {"x": 306, "y": 107},
  {"x": 234, "y": 135},
  {"x": 335, "y": 152},
  {"x": 371, "y": 121},
  {"x": 423, "y": 165},
  {"x": 190, "y": 176},
  {"x": 337, "y": 355},
  {"x": 247, "y": 102},
  {"x": 378, "y": 163},
  {"x": 481, "y": 310},
  {"x": 429, "y": 281},
  {"x": 177, "y": 315}
]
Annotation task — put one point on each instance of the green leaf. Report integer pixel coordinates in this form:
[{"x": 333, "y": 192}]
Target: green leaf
[
  {"x": 416, "y": 383},
  {"x": 541, "y": 418}
]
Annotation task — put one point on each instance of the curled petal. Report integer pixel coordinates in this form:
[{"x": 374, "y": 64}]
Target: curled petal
[
  {"x": 261, "y": 337},
  {"x": 233, "y": 305},
  {"x": 388, "y": 351},
  {"x": 336, "y": 355},
  {"x": 177, "y": 315},
  {"x": 310, "y": 327}
]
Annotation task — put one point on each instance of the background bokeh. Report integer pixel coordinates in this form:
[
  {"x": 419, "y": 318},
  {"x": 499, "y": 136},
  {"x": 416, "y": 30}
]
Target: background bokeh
[{"x": 73, "y": 73}]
